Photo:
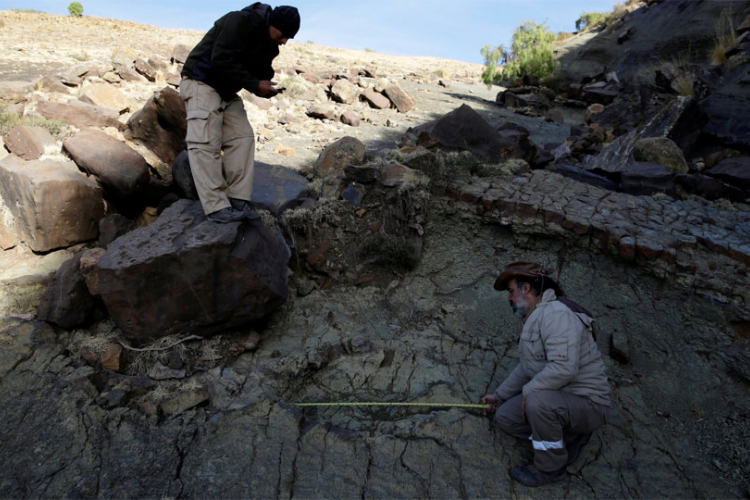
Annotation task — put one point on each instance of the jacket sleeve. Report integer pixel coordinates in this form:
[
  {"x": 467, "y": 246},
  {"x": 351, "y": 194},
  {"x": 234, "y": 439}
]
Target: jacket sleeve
[
  {"x": 512, "y": 385},
  {"x": 228, "y": 48},
  {"x": 561, "y": 333}
]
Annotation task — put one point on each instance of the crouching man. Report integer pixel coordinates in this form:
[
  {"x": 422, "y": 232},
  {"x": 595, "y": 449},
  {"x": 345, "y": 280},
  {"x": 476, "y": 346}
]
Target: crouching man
[{"x": 558, "y": 394}]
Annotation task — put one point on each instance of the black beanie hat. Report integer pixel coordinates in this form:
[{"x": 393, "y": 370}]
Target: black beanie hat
[{"x": 285, "y": 19}]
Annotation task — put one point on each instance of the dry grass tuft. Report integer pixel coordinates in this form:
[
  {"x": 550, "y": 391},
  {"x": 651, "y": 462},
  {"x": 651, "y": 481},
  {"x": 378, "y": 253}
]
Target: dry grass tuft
[{"x": 726, "y": 37}]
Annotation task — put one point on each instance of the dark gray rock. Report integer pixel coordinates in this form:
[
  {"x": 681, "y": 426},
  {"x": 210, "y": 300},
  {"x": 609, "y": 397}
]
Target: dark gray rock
[
  {"x": 275, "y": 188},
  {"x": 67, "y": 301},
  {"x": 648, "y": 178},
  {"x": 728, "y": 107},
  {"x": 112, "y": 227},
  {"x": 160, "y": 125},
  {"x": 278, "y": 188},
  {"x": 733, "y": 171},
  {"x": 464, "y": 129},
  {"x": 184, "y": 273},
  {"x": 582, "y": 175},
  {"x": 709, "y": 188},
  {"x": 183, "y": 176},
  {"x": 354, "y": 194}
]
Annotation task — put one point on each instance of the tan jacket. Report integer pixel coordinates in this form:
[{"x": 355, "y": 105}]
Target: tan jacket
[{"x": 557, "y": 352}]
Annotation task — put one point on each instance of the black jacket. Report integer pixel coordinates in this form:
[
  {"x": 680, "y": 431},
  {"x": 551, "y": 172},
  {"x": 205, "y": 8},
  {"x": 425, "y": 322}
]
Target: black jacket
[{"x": 236, "y": 53}]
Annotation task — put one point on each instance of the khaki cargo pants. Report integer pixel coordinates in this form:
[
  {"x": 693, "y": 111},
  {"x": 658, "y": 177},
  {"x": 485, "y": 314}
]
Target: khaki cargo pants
[
  {"x": 215, "y": 127},
  {"x": 554, "y": 419}
]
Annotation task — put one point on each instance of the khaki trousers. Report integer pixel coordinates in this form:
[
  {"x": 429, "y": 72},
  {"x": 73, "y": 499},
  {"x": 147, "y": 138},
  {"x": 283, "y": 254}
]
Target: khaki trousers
[
  {"x": 554, "y": 419},
  {"x": 215, "y": 127}
]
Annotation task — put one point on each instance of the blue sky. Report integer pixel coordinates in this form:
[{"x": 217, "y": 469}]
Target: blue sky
[{"x": 452, "y": 29}]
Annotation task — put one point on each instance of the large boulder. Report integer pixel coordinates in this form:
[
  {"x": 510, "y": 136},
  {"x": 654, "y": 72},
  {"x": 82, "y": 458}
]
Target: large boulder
[
  {"x": 184, "y": 273},
  {"x": 120, "y": 170},
  {"x": 679, "y": 121},
  {"x": 52, "y": 203},
  {"x": 160, "y": 125},
  {"x": 275, "y": 188},
  {"x": 29, "y": 142},
  {"x": 346, "y": 151},
  {"x": 464, "y": 129},
  {"x": 79, "y": 114}
]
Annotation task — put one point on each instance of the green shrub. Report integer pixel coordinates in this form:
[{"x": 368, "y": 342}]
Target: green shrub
[
  {"x": 591, "y": 20},
  {"x": 75, "y": 9},
  {"x": 493, "y": 57},
  {"x": 531, "y": 54}
]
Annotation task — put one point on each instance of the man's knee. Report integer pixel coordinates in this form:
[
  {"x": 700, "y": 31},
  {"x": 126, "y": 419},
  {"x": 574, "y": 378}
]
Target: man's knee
[
  {"x": 508, "y": 418},
  {"x": 535, "y": 403}
]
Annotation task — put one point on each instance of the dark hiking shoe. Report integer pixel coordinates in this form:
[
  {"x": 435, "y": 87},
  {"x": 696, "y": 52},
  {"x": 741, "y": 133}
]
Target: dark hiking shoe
[
  {"x": 531, "y": 476},
  {"x": 225, "y": 215},
  {"x": 246, "y": 207},
  {"x": 575, "y": 446}
]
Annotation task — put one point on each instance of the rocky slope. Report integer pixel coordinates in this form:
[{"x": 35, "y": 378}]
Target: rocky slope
[{"x": 393, "y": 247}]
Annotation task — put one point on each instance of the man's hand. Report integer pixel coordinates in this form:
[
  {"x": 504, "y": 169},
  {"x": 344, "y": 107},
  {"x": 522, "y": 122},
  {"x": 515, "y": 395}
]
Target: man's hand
[
  {"x": 267, "y": 89},
  {"x": 491, "y": 400}
]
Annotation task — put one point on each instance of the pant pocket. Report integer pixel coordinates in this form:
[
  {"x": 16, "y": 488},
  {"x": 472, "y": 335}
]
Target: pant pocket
[{"x": 197, "y": 126}]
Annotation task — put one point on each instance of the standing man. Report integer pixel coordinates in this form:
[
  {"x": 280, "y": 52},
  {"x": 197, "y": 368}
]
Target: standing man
[
  {"x": 236, "y": 53},
  {"x": 558, "y": 394}
]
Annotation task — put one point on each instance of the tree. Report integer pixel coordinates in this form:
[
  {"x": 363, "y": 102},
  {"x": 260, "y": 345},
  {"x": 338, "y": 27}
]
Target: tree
[
  {"x": 531, "y": 52},
  {"x": 493, "y": 57},
  {"x": 75, "y": 9}
]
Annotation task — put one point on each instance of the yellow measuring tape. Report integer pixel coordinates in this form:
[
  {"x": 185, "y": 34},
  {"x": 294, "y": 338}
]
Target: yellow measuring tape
[{"x": 377, "y": 403}]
